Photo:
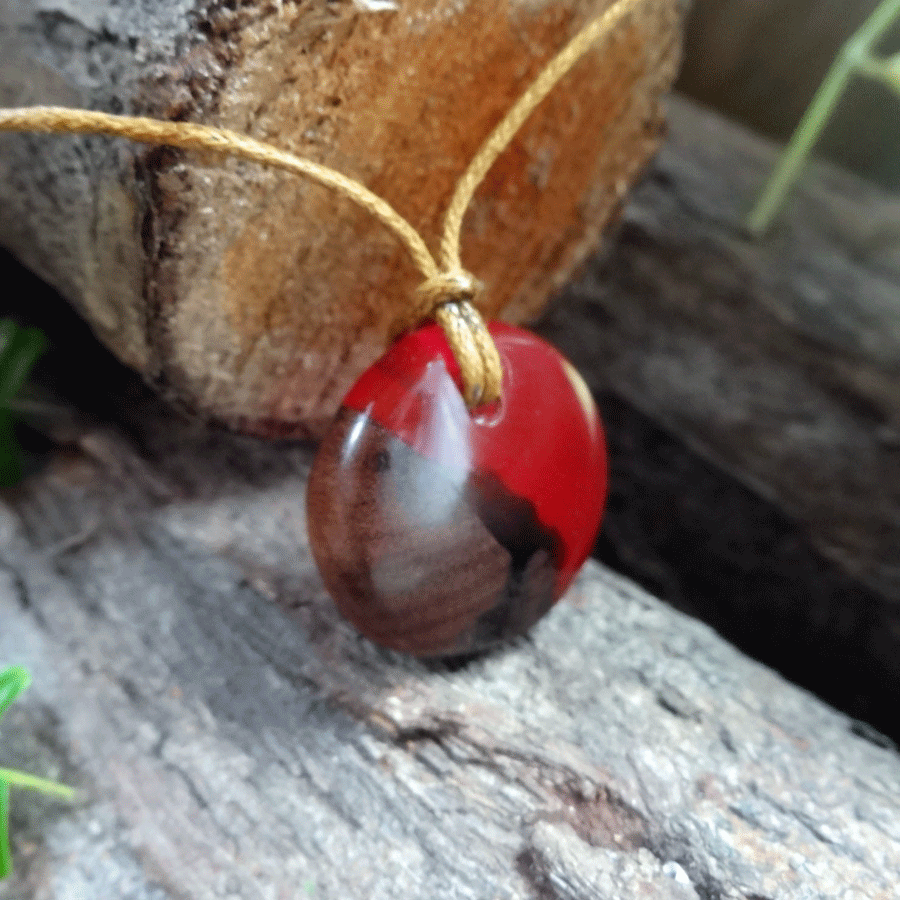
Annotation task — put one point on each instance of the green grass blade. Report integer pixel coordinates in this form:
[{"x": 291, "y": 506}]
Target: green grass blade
[
  {"x": 20, "y": 349},
  {"x": 14, "y": 778},
  {"x": 854, "y": 57},
  {"x": 13, "y": 681},
  {"x": 5, "y": 854}
]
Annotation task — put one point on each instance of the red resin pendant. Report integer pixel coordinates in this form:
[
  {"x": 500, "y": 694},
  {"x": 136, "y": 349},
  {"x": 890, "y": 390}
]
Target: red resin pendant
[{"x": 439, "y": 531}]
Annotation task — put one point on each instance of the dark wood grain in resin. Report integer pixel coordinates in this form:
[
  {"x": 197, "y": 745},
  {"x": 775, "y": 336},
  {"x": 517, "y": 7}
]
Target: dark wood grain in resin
[{"x": 419, "y": 556}]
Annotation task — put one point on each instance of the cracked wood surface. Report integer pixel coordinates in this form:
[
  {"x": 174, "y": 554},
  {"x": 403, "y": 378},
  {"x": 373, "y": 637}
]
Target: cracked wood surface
[
  {"x": 256, "y": 297},
  {"x": 232, "y": 738}
]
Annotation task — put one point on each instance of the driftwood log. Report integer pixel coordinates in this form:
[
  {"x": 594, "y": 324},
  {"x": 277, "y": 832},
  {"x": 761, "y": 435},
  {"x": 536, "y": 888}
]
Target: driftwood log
[
  {"x": 257, "y": 298},
  {"x": 232, "y": 738}
]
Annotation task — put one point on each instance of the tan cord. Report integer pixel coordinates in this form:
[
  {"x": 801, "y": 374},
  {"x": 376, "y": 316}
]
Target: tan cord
[
  {"x": 462, "y": 332},
  {"x": 222, "y": 142},
  {"x": 447, "y": 289},
  {"x": 499, "y": 139}
]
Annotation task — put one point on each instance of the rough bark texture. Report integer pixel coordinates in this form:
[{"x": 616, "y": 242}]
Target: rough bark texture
[
  {"x": 257, "y": 298},
  {"x": 232, "y": 738}
]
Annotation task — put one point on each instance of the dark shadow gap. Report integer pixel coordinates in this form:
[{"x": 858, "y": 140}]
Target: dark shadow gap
[{"x": 694, "y": 536}]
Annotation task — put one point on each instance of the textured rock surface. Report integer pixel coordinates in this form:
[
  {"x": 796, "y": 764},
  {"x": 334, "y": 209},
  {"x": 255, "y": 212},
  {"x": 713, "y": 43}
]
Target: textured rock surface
[{"x": 232, "y": 738}]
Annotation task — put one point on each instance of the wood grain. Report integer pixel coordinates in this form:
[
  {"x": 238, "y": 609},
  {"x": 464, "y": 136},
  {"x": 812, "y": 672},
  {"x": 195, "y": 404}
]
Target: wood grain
[
  {"x": 752, "y": 394},
  {"x": 233, "y": 738},
  {"x": 254, "y": 298}
]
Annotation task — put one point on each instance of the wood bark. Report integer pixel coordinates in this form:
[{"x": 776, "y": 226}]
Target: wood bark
[
  {"x": 257, "y": 298},
  {"x": 232, "y": 738}
]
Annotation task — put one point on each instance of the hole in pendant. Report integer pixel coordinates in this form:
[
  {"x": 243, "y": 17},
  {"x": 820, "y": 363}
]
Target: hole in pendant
[{"x": 488, "y": 414}]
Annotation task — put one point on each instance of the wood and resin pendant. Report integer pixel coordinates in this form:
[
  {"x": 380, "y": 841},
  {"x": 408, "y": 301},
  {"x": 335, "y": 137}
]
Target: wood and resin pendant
[{"x": 440, "y": 531}]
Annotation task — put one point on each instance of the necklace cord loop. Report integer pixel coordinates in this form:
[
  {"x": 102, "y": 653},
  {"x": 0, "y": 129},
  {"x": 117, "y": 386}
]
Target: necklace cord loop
[
  {"x": 444, "y": 287},
  {"x": 448, "y": 290}
]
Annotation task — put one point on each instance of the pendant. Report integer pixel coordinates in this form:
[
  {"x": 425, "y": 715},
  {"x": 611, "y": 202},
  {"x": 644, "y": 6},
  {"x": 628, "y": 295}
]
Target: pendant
[{"x": 441, "y": 531}]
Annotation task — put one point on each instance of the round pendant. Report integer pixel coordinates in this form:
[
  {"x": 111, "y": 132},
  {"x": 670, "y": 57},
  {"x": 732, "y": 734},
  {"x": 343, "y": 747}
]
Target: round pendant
[{"x": 440, "y": 531}]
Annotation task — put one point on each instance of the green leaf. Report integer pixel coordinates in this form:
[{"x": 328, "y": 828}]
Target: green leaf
[
  {"x": 13, "y": 681},
  {"x": 5, "y": 853},
  {"x": 10, "y": 452},
  {"x": 20, "y": 349}
]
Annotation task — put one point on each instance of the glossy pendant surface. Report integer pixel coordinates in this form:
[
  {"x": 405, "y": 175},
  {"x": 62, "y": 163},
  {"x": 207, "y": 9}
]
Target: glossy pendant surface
[{"x": 438, "y": 531}]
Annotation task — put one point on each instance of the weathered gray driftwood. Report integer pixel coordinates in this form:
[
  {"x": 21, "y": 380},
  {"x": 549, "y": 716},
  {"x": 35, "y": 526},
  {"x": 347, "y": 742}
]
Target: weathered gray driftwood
[
  {"x": 778, "y": 360},
  {"x": 232, "y": 738}
]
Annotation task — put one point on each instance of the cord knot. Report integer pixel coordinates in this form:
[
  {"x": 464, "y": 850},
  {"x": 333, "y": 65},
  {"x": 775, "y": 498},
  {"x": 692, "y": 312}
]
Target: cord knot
[
  {"x": 452, "y": 286},
  {"x": 447, "y": 298}
]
